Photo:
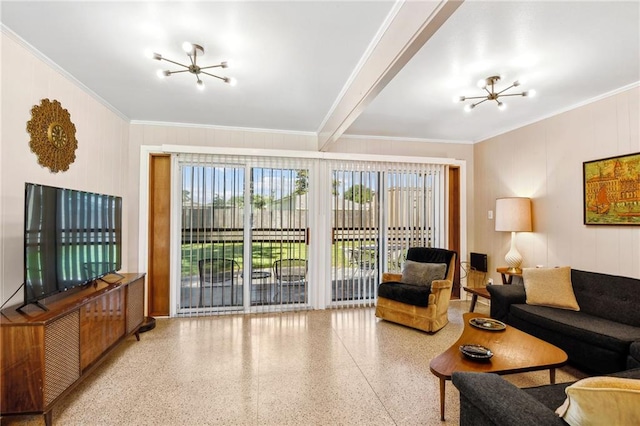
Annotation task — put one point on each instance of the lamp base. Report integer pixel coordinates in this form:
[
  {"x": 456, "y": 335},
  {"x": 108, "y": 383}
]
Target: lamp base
[{"x": 513, "y": 257}]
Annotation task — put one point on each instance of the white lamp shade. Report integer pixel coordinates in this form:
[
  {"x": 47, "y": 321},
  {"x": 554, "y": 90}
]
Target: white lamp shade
[{"x": 513, "y": 214}]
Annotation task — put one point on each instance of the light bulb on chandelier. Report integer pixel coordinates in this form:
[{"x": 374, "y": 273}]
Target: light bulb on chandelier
[{"x": 193, "y": 51}]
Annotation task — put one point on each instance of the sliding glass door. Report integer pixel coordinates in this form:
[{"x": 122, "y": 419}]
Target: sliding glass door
[
  {"x": 243, "y": 236},
  {"x": 379, "y": 210}
]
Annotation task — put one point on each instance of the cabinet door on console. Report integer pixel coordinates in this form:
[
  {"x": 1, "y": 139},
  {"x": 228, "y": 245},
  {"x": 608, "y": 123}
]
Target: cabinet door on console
[
  {"x": 21, "y": 357},
  {"x": 102, "y": 323}
]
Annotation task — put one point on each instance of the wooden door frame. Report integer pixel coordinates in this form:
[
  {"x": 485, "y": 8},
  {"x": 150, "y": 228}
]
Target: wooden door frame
[
  {"x": 454, "y": 219},
  {"x": 159, "y": 232}
]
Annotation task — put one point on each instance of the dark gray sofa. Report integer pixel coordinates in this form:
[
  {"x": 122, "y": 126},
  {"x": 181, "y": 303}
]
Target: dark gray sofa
[
  {"x": 488, "y": 399},
  {"x": 603, "y": 337}
]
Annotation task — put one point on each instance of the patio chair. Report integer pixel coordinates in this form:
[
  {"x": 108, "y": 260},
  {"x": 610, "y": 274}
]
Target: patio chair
[
  {"x": 421, "y": 305},
  {"x": 218, "y": 272},
  {"x": 361, "y": 262},
  {"x": 291, "y": 274}
]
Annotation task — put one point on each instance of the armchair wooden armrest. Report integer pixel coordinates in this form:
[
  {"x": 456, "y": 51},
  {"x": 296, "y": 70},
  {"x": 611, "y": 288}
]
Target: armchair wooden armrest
[{"x": 390, "y": 276}]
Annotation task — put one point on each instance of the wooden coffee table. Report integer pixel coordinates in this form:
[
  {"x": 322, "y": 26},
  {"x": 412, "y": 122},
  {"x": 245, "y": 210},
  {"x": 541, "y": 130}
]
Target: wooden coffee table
[{"x": 514, "y": 352}]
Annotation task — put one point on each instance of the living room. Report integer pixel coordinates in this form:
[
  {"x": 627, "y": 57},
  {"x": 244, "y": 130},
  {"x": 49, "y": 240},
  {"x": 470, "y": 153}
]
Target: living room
[{"x": 541, "y": 160}]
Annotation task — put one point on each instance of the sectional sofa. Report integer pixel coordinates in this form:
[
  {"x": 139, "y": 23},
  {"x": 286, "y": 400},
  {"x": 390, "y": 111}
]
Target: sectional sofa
[
  {"x": 489, "y": 399},
  {"x": 603, "y": 336}
]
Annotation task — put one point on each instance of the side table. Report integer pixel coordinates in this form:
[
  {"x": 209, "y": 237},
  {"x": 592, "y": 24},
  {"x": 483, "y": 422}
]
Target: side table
[
  {"x": 507, "y": 277},
  {"x": 481, "y": 291},
  {"x": 475, "y": 292}
]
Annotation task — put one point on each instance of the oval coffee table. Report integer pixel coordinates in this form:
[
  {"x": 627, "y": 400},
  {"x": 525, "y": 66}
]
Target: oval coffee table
[{"x": 514, "y": 352}]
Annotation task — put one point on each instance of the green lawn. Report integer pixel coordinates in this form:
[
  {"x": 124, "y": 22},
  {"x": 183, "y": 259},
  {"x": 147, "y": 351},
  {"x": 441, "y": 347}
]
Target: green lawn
[{"x": 263, "y": 253}]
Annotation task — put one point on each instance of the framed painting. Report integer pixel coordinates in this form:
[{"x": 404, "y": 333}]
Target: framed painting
[{"x": 612, "y": 190}]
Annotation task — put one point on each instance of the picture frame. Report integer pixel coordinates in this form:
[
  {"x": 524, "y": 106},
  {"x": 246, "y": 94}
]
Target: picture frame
[{"x": 611, "y": 190}]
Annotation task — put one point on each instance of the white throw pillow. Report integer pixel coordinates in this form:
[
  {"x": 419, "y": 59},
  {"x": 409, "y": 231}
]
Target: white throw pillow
[
  {"x": 419, "y": 273},
  {"x": 550, "y": 287},
  {"x": 602, "y": 401}
]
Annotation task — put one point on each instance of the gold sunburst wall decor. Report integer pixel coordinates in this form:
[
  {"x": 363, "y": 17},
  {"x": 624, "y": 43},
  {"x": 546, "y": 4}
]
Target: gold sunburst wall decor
[{"x": 53, "y": 135}]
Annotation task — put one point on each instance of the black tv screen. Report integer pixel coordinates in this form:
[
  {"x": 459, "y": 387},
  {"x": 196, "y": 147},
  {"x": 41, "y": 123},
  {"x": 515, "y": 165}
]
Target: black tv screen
[{"x": 71, "y": 238}]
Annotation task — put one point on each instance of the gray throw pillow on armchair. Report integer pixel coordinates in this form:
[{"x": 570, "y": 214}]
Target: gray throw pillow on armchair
[{"x": 419, "y": 273}]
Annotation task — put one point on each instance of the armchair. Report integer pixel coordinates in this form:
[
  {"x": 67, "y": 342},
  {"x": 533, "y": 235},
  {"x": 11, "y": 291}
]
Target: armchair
[{"x": 419, "y": 306}]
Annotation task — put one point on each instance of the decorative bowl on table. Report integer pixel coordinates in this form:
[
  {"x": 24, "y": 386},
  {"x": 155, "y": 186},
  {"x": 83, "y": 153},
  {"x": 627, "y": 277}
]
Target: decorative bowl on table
[
  {"x": 487, "y": 324},
  {"x": 476, "y": 352}
]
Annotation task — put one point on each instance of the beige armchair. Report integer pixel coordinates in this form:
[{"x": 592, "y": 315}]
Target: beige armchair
[{"x": 419, "y": 306}]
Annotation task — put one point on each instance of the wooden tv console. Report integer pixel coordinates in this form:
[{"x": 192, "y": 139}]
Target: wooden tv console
[{"x": 45, "y": 354}]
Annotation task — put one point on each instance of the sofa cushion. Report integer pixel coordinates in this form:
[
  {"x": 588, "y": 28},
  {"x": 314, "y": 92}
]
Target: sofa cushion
[
  {"x": 550, "y": 287},
  {"x": 419, "y": 273},
  {"x": 591, "y": 401},
  {"x": 580, "y": 325},
  {"x": 608, "y": 296},
  {"x": 416, "y": 295}
]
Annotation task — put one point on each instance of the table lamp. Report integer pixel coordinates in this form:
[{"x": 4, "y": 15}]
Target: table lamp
[{"x": 513, "y": 214}]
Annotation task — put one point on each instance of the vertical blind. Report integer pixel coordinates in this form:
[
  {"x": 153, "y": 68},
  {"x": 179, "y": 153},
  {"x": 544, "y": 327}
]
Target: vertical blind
[
  {"x": 379, "y": 210},
  {"x": 244, "y": 227},
  {"x": 246, "y": 221}
]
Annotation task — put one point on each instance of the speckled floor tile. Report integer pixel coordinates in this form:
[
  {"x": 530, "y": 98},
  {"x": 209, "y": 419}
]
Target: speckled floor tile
[{"x": 332, "y": 367}]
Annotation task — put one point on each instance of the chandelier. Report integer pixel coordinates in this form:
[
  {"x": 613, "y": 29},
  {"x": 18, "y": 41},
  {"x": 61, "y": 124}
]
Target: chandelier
[
  {"x": 193, "y": 52},
  {"x": 488, "y": 85}
]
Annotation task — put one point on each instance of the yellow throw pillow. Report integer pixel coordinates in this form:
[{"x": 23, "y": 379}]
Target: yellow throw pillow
[
  {"x": 550, "y": 287},
  {"x": 602, "y": 401}
]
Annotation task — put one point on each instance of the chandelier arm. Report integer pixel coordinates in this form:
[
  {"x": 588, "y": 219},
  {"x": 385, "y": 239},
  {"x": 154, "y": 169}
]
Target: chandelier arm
[
  {"x": 478, "y": 103},
  {"x": 474, "y": 97},
  {"x": 488, "y": 91},
  {"x": 178, "y": 72},
  {"x": 213, "y": 75},
  {"x": 211, "y": 66},
  {"x": 176, "y": 63},
  {"x": 513, "y": 94},
  {"x": 502, "y": 91}
]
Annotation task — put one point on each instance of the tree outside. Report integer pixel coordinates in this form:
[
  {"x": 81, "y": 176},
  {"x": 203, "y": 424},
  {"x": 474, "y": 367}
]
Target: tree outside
[{"x": 359, "y": 194}]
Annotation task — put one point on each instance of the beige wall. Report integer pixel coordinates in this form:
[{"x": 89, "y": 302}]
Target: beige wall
[
  {"x": 100, "y": 157},
  {"x": 544, "y": 161}
]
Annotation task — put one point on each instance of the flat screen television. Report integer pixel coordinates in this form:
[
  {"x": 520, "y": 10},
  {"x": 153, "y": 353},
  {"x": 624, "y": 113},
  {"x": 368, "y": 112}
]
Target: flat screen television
[{"x": 71, "y": 238}]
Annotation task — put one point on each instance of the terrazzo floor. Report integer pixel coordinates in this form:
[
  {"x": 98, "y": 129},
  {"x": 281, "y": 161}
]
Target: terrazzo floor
[{"x": 330, "y": 367}]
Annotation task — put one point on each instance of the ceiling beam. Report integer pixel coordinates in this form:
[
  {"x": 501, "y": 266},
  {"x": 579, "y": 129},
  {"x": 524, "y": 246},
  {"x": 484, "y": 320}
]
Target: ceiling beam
[{"x": 414, "y": 23}]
